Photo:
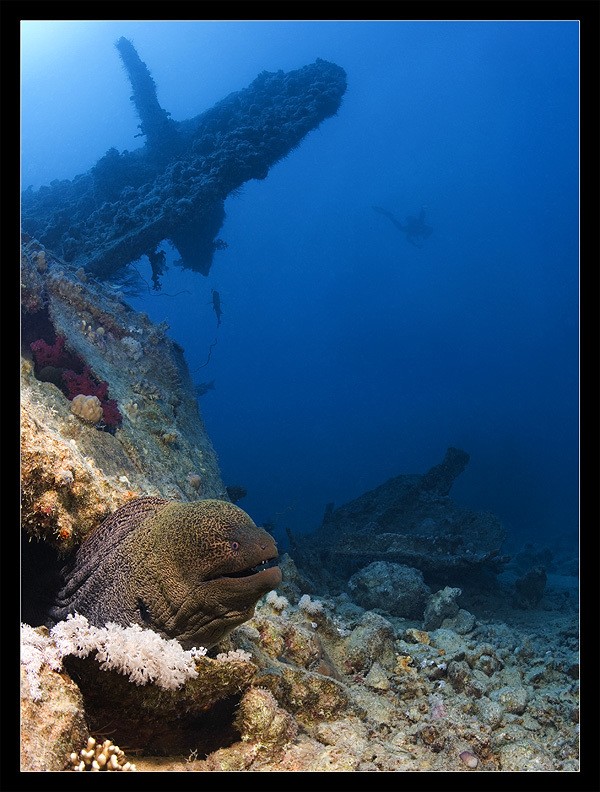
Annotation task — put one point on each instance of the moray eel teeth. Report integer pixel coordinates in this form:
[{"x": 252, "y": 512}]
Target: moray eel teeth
[
  {"x": 255, "y": 570},
  {"x": 191, "y": 571}
]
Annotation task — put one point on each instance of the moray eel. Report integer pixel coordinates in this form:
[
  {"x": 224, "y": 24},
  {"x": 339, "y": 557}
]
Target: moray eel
[{"x": 191, "y": 571}]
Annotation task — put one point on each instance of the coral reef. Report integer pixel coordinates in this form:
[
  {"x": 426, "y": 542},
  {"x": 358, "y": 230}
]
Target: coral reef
[
  {"x": 85, "y": 384},
  {"x": 199, "y": 714},
  {"x": 320, "y": 676},
  {"x": 165, "y": 695},
  {"x": 52, "y": 715},
  {"x": 50, "y": 354},
  {"x": 338, "y": 688},
  {"x": 261, "y": 720},
  {"x": 73, "y": 474},
  {"x": 175, "y": 186},
  {"x": 53, "y": 363}
]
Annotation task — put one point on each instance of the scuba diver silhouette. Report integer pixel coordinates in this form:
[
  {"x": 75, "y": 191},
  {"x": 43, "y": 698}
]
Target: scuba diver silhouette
[{"x": 416, "y": 229}]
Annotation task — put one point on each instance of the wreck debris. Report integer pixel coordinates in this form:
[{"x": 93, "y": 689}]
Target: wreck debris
[
  {"x": 174, "y": 187},
  {"x": 408, "y": 520}
]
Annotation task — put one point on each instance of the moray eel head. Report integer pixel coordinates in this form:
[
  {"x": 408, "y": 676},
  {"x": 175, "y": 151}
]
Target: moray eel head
[
  {"x": 191, "y": 571},
  {"x": 230, "y": 567}
]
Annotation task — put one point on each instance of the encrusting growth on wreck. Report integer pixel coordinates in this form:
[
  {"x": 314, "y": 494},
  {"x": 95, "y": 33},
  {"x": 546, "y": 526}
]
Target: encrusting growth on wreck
[{"x": 175, "y": 186}]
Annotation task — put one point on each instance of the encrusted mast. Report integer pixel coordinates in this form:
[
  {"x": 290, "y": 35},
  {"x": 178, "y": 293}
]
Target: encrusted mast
[
  {"x": 175, "y": 186},
  {"x": 157, "y": 124}
]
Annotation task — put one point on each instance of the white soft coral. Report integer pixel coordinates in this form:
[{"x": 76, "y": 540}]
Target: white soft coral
[
  {"x": 142, "y": 655},
  {"x": 37, "y": 650}
]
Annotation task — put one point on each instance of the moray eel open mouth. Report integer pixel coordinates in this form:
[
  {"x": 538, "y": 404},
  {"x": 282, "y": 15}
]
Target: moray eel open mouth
[{"x": 258, "y": 569}]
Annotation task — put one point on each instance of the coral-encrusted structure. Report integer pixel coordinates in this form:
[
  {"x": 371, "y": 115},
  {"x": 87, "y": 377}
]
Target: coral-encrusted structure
[
  {"x": 409, "y": 520},
  {"x": 175, "y": 186},
  {"x": 54, "y": 363},
  {"x": 73, "y": 474},
  {"x": 313, "y": 681},
  {"x": 52, "y": 716}
]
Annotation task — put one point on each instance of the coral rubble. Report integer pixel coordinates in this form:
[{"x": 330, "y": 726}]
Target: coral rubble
[{"x": 340, "y": 689}]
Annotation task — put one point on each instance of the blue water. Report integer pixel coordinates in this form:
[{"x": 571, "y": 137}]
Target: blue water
[{"x": 346, "y": 355}]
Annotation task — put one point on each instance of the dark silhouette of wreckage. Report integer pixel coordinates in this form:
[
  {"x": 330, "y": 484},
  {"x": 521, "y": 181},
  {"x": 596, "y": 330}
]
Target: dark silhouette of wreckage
[{"x": 174, "y": 187}]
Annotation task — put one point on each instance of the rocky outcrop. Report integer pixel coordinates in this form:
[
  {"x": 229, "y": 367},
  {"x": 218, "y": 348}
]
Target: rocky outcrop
[{"x": 52, "y": 723}]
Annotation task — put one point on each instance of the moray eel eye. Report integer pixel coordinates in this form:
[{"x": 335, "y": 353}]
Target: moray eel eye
[{"x": 235, "y": 545}]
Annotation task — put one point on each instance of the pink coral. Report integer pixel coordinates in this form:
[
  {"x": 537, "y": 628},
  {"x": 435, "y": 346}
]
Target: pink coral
[
  {"x": 112, "y": 416},
  {"x": 84, "y": 383},
  {"x": 50, "y": 354}
]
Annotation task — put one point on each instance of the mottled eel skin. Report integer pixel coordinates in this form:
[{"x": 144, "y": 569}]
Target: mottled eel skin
[{"x": 186, "y": 570}]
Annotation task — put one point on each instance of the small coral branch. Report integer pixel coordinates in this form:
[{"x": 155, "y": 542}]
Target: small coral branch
[{"x": 95, "y": 757}]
